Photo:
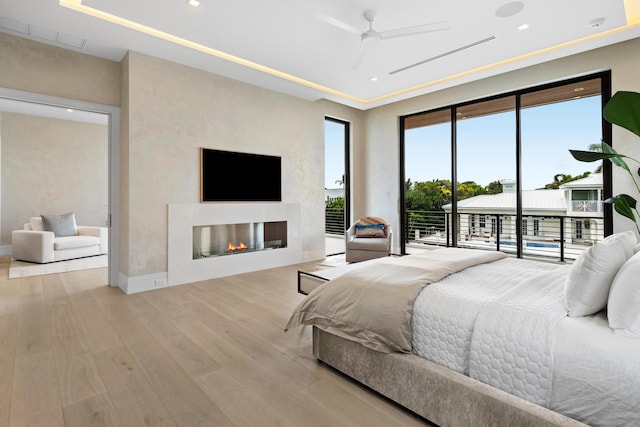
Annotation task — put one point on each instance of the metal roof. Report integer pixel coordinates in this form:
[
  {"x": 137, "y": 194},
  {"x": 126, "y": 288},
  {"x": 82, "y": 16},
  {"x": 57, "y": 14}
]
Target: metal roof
[{"x": 532, "y": 200}]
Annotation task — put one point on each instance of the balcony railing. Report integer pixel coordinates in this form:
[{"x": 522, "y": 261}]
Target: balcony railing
[
  {"x": 551, "y": 237},
  {"x": 560, "y": 238},
  {"x": 334, "y": 221}
]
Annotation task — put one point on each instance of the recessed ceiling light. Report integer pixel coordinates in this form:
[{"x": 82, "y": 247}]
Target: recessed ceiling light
[
  {"x": 509, "y": 9},
  {"x": 596, "y": 23},
  {"x": 194, "y": 3},
  {"x": 373, "y": 79},
  {"x": 70, "y": 110},
  {"x": 523, "y": 27},
  {"x": 578, "y": 89}
]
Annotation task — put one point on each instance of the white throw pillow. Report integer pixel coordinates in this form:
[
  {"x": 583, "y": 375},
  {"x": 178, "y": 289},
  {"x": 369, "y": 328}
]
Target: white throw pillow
[
  {"x": 36, "y": 223},
  {"x": 587, "y": 286},
  {"x": 623, "y": 309}
]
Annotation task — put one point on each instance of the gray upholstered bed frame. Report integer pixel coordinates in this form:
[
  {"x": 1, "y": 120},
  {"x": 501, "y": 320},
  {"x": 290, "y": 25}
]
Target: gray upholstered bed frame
[{"x": 442, "y": 396}]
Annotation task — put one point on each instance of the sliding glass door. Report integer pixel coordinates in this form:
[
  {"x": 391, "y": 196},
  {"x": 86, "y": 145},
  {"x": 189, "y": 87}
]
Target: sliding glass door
[
  {"x": 486, "y": 175},
  {"x": 555, "y": 120},
  {"x": 517, "y": 188}
]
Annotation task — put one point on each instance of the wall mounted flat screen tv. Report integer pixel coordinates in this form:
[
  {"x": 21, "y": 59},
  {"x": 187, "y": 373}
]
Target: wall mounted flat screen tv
[{"x": 228, "y": 176}]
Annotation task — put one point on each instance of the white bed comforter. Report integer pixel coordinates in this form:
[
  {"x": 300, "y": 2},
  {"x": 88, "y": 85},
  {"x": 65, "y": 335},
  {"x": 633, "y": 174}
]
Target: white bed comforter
[
  {"x": 444, "y": 313},
  {"x": 511, "y": 345},
  {"x": 504, "y": 324}
]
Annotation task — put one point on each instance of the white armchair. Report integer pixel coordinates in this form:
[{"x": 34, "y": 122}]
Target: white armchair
[
  {"x": 34, "y": 244},
  {"x": 365, "y": 245}
]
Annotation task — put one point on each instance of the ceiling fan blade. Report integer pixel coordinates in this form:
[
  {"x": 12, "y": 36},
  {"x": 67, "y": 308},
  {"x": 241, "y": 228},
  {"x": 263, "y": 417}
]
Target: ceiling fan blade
[
  {"x": 416, "y": 29},
  {"x": 336, "y": 22},
  {"x": 362, "y": 52}
]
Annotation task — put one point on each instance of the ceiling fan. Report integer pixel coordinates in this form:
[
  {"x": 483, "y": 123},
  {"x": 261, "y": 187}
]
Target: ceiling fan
[{"x": 371, "y": 37}]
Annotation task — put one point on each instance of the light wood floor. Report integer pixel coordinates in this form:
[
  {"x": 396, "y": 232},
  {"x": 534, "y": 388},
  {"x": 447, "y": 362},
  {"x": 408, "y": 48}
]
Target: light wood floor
[{"x": 75, "y": 352}]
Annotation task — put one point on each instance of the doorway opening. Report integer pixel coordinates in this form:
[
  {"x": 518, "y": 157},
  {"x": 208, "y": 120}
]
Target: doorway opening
[
  {"x": 60, "y": 118},
  {"x": 336, "y": 177}
]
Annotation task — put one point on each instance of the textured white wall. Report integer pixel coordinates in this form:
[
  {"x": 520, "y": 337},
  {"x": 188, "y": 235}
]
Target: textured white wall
[
  {"x": 52, "y": 166},
  {"x": 44, "y": 69},
  {"x": 174, "y": 110}
]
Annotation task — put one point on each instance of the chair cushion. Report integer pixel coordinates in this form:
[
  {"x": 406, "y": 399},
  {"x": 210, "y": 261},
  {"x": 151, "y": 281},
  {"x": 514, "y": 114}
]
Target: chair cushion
[
  {"x": 74, "y": 242},
  {"x": 369, "y": 244}
]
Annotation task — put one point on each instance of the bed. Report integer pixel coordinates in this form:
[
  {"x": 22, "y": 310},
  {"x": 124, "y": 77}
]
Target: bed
[{"x": 473, "y": 338}]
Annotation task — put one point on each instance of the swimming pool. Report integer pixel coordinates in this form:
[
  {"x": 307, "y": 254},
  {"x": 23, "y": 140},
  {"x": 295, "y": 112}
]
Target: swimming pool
[{"x": 528, "y": 244}]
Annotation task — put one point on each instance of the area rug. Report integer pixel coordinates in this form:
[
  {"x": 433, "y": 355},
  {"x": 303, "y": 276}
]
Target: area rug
[{"x": 19, "y": 269}]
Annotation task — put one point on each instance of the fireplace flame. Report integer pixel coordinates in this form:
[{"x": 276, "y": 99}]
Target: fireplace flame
[{"x": 231, "y": 247}]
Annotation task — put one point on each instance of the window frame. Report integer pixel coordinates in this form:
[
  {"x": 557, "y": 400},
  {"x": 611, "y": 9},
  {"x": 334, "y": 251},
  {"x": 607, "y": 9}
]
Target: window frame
[{"x": 606, "y": 132}]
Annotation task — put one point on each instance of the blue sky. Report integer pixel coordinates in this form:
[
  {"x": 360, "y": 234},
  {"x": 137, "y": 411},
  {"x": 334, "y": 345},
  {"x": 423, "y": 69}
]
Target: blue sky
[
  {"x": 486, "y": 147},
  {"x": 333, "y": 153}
]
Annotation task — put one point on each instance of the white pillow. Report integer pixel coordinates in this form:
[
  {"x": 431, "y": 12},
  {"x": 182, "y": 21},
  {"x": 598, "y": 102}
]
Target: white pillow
[
  {"x": 36, "y": 223},
  {"x": 623, "y": 308},
  {"x": 587, "y": 286}
]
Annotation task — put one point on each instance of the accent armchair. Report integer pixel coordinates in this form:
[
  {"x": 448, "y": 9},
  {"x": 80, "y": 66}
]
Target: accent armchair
[
  {"x": 35, "y": 244},
  {"x": 368, "y": 238}
]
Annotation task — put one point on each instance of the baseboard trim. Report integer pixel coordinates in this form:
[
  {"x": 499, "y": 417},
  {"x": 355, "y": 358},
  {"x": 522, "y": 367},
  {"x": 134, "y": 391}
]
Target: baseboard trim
[{"x": 148, "y": 282}]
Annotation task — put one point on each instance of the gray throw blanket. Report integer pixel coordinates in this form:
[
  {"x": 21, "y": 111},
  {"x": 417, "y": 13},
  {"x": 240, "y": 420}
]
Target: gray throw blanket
[{"x": 372, "y": 304}]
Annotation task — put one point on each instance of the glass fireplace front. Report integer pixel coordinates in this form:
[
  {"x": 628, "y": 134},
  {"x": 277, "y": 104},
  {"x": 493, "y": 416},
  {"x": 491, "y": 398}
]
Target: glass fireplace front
[{"x": 231, "y": 239}]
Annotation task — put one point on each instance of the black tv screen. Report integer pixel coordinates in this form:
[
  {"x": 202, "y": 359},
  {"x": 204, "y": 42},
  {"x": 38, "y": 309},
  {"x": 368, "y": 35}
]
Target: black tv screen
[{"x": 228, "y": 176}]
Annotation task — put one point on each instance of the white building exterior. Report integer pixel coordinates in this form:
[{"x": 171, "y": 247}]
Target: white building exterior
[{"x": 574, "y": 210}]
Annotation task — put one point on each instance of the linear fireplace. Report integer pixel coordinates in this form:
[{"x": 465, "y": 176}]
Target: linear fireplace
[
  {"x": 231, "y": 239},
  {"x": 271, "y": 232}
]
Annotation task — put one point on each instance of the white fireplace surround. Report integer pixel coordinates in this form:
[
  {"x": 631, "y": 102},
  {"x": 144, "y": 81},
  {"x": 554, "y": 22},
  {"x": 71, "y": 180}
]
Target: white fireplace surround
[{"x": 182, "y": 268}]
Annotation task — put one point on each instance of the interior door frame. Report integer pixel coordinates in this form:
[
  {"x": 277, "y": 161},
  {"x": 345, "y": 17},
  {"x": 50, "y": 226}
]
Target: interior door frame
[{"x": 113, "y": 114}]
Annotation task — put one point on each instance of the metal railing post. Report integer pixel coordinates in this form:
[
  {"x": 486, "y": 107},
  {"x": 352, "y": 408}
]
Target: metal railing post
[
  {"x": 497, "y": 232},
  {"x": 561, "y": 239}
]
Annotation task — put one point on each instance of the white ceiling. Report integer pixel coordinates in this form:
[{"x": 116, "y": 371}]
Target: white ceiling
[{"x": 297, "y": 47}]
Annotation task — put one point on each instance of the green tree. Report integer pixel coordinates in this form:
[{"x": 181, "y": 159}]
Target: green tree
[
  {"x": 336, "y": 203},
  {"x": 469, "y": 189},
  {"x": 433, "y": 195},
  {"x": 561, "y": 178},
  {"x": 494, "y": 187}
]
